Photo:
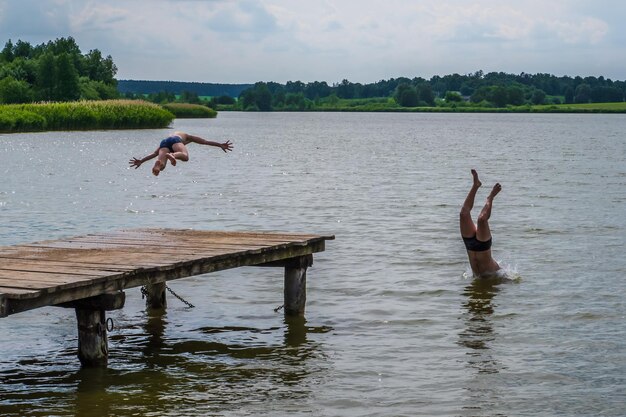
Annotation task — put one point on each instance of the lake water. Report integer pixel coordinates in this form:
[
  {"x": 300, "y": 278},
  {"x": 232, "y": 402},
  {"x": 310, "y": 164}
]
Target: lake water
[{"x": 394, "y": 324}]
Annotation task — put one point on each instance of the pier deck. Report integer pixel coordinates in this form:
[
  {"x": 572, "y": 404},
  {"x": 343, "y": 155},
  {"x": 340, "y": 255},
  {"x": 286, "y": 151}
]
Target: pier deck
[{"x": 79, "y": 271}]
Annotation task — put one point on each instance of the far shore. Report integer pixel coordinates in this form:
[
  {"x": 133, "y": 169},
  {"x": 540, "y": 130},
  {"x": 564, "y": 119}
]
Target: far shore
[{"x": 606, "y": 108}]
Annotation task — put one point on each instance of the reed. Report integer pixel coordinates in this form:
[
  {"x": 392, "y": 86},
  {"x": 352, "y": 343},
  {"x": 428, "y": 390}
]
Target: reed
[
  {"x": 190, "y": 111},
  {"x": 83, "y": 115}
]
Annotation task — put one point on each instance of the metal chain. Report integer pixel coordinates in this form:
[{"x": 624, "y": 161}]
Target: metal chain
[
  {"x": 144, "y": 294},
  {"x": 179, "y": 297}
]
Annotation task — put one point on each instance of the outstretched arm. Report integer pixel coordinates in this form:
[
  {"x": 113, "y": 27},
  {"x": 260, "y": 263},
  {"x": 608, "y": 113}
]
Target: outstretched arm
[
  {"x": 137, "y": 162},
  {"x": 226, "y": 146}
]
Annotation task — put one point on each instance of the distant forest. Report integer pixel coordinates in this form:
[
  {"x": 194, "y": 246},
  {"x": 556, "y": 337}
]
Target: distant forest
[
  {"x": 486, "y": 90},
  {"x": 178, "y": 87},
  {"x": 59, "y": 71},
  {"x": 494, "y": 89}
]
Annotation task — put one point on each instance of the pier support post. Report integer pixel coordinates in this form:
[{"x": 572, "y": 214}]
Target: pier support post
[
  {"x": 295, "y": 285},
  {"x": 155, "y": 295},
  {"x": 93, "y": 347}
]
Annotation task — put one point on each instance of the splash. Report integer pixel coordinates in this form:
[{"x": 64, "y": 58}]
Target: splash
[{"x": 506, "y": 273}]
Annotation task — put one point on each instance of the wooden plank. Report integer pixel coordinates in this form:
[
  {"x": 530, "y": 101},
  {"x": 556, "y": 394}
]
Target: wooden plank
[
  {"x": 145, "y": 256},
  {"x": 217, "y": 233},
  {"x": 53, "y": 276},
  {"x": 69, "y": 268},
  {"x": 56, "y": 271},
  {"x": 5, "y": 289},
  {"x": 20, "y": 263}
]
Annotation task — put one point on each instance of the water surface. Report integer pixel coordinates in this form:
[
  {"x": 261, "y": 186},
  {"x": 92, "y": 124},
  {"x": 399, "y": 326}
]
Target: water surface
[{"x": 394, "y": 325}]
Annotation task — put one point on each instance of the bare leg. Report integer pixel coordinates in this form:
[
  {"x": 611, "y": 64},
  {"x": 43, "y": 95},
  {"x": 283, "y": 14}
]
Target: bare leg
[
  {"x": 468, "y": 229},
  {"x": 161, "y": 161},
  {"x": 180, "y": 152},
  {"x": 483, "y": 233}
]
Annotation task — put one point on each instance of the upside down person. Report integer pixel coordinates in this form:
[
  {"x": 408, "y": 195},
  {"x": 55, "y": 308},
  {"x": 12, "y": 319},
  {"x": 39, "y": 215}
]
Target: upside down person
[{"x": 477, "y": 237}]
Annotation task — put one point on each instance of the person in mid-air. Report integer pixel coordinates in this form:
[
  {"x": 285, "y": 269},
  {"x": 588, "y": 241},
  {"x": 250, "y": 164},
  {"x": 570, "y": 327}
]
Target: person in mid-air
[
  {"x": 477, "y": 237},
  {"x": 173, "y": 148}
]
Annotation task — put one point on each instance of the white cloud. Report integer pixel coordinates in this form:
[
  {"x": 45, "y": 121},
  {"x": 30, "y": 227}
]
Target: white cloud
[{"x": 280, "y": 40}]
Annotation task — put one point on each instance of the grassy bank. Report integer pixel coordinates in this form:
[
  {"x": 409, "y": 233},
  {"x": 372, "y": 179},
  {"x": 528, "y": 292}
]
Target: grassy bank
[
  {"x": 390, "y": 105},
  {"x": 619, "y": 107},
  {"x": 190, "y": 111},
  {"x": 83, "y": 115}
]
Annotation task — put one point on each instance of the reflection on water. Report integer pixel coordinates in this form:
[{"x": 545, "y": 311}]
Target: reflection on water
[
  {"x": 215, "y": 369},
  {"x": 478, "y": 337},
  {"x": 479, "y": 332}
]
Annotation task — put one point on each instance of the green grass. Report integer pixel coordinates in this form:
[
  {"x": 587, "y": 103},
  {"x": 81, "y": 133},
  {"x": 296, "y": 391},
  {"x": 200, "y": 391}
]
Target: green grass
[
  {"x": 619, "y": 107},
  {"x": 83, "y": 115},
  {"x": 386, "y": 104},
  {"x": 190, "y": 111}
]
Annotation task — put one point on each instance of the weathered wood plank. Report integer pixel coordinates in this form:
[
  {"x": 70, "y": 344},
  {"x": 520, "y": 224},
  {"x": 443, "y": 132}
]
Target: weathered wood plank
[
  {"x": 7, "y": 289},
  {"x": 20, "y": 263},
  {"x": 60, "y": 271}
]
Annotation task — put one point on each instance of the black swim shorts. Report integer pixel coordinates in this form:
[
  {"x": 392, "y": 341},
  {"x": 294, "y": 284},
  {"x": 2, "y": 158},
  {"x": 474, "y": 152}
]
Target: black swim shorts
[
  {"x": 169, "y": 142},
  {"x": 473, "y": 244}
]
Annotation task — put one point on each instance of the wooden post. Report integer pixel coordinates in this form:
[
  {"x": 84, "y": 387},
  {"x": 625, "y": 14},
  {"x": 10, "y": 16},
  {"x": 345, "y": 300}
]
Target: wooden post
[
  {"x": 155, "y": 295},
  {"x": 93, "y": 348},
  {"x": 3, "y": 306},
  {"x": 92, "y": 337},
  {"x": 295, "y": 284}
]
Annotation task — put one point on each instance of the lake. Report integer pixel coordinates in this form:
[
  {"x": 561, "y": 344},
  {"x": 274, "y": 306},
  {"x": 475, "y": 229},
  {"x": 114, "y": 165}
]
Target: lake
[{"x": 395, "y": 325}]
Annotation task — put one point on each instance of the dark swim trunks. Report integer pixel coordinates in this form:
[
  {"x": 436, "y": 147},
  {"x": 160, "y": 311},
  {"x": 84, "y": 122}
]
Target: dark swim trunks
[
  {"x": 473, "y": 244},
  {"x": 169, "y": 142}
]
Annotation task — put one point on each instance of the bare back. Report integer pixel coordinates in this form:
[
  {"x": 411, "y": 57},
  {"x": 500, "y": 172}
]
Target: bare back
[
  {"x": 482, "y": 263},
  {"x": 186, "y": 138}
]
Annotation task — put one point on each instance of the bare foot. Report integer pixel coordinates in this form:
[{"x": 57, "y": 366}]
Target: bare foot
[
  {"x": 477, "y": 182},
  {"x": 157, "y": 168},
  {"x": 494, "y": 192},
  {"x": 171, "y": 159}
]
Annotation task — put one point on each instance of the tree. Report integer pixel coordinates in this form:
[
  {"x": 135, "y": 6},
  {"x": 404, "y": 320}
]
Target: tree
[
  {"x": 425, "y": 93},
  {"x": 345, "y": 89},
  {"x": 68, "y": 87},
  {"x": 480, "y": 94},
  {"x": 263, "y": 97},
  {"x": 46, "y": 77},
  {"x": 515, "y": 96},
  {"x": 247, "y": 98},
  {"x": 7, "y": 52},
  {"x": 189, "y": 97},
  {"x": 453, "y": 97},
  {"x": 606, "y": 95},
  {"x": 582, "y": 93},
  {"x": 406, "y": 96},
  {"x": 538, "y": 97},
  {"x": 13, "y": 91},
  {"x": 295, "y": 101},
  {"x": 499, "y": 96},
  {"x": 22, "y": 49},
  {"x": 569, "y": 95},
  {"x": 98, "y": 68}
]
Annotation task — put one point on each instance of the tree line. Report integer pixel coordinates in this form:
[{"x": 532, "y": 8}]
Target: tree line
[
  {"x": 494, "y": 89},
  {"x": 180, "y": 87},
  {"x": 59, "y": 71},
  {"x": 54, "y": 71}
]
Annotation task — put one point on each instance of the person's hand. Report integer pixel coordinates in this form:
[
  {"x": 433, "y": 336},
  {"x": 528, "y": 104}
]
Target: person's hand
[
  {"x": 135, "y": 162},
  {"x": 226, "y": 146}
]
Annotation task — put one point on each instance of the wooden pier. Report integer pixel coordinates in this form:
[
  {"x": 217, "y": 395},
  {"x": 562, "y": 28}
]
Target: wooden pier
[{"x": 90, "y": 273}]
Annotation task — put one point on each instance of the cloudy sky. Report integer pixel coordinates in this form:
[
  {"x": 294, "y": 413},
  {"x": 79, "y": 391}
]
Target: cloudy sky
[{"x": 241, "y": 41}]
